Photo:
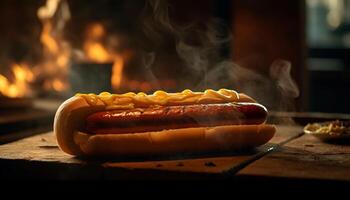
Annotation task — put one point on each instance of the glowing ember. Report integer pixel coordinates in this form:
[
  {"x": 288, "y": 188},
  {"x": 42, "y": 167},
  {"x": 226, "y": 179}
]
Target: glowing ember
[{"x": 20, "y": 86}]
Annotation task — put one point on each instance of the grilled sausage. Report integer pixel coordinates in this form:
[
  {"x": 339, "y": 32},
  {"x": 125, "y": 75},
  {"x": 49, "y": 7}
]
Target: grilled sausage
[{"x": 174, "y": 117}]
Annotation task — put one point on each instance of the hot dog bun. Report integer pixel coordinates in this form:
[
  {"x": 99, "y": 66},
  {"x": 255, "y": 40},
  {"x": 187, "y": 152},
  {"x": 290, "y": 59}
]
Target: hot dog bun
[
  {"x": 69, "y": 126},
  {"x": 202, "y": 139},
  {"x": 69, "y": 119}
]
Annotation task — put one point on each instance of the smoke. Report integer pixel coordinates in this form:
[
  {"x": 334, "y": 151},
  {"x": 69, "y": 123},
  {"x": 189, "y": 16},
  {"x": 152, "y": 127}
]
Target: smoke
[
  {"x": 280, "y": 71},
  {"x": 156, "y": 23},
  {"x": 197, "y": 54},
  {"x": 148, "y": 60},
  {"x": 192, "y": 48},
  {"x": 276, "y": 91}
]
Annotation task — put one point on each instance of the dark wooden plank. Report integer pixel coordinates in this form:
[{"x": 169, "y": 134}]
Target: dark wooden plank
[
  {"x": 286, "y": 133},
  {"x": 21, "y": 123},
  {"x": 21, "y": 120},
  {"x": 304, "y": 158},
  {"x": 303, "y": 118},
  {"x": 42, "y": 151},
  {"x": 40, "y": 154},
  {"x": 222, "y": 164}
]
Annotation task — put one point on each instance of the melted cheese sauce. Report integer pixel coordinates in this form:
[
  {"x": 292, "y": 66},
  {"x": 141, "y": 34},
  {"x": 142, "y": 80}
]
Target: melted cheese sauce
[{"x": 132, "y": 100}]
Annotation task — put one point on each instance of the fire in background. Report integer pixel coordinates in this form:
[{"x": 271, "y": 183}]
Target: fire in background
[
  {"x": 148, "y": 46},
  {"x": 65, "y": 31}
]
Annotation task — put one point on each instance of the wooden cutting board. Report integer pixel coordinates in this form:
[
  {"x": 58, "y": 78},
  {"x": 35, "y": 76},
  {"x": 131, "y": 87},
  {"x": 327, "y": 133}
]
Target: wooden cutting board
[{"x": 39, "y": 157}]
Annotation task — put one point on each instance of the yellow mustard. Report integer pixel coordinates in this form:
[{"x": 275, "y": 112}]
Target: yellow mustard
[{"x": 133, "y": 100}]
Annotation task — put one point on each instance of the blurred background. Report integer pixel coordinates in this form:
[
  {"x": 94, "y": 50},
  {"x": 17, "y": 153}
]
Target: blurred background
[{"x": 291, "y": 55}]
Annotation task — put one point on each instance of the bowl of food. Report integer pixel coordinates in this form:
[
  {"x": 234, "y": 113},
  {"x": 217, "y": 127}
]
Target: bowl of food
[{"x": 337, "y": 130}]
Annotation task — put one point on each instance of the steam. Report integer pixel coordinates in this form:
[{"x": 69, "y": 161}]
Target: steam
[
  {"x": 157, "y": 22},
  {"x": 148, "y": 60},
  {"x": 197, "y": 50},
  {"x": 280, "y": 71},
  {"x": 194, "y": 48},
  {"x": 204, "y": 58},
  {"x": 277, "y": 90}
]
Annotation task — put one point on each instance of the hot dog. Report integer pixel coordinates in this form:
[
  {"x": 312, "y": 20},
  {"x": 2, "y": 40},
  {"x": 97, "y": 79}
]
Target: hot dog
[
  {"x": 160, "y": 123},
  {"x": 173, "y": 117}
]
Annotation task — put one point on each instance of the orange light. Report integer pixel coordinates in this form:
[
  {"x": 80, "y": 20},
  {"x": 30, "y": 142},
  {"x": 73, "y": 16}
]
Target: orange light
[
  {"x": 19, "y": 87},
  {"x": 58, "y": 85},
  {"x": 95, "y": 52},
  {"x": 93, "y": 46},
  {"x": 48, "y": 41},
  {"x": 96, "y": 31},
  {"x": 117, "y": 74},
  {"x": 57, "y": 51},
  {"x": 63, "y": 60}
]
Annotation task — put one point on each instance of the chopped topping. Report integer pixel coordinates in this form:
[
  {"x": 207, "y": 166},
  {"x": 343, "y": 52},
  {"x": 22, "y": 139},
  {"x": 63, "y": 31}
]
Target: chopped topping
[{"x": 332, "y": 128}]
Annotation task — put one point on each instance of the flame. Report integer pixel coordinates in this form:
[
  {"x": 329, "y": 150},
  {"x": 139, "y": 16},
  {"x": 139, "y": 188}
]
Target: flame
[
  {"x": 48, "y": 41},
  {"x": 46, "y": 14},
  {"x": 49, "y": 9},
  {"x": 95, "y": 51},
  {"x": 54, "y": 68},
  {"x": 23, "y": 76},
  {"x": 93, "y": 46},
  {"x": 117, "y": 72},
  {"x": 58, "y": 85}
]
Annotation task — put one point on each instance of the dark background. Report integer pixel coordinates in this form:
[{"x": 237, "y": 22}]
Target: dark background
[{"x": 262, "y": 32}]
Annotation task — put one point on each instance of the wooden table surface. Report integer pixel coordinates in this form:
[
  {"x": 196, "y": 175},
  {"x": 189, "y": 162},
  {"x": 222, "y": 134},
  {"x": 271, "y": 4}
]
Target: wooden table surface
[
  {"x": 304, "y": 157},
  {"x": 39, "y": 157},
  {"x": 290, "y": 154}
]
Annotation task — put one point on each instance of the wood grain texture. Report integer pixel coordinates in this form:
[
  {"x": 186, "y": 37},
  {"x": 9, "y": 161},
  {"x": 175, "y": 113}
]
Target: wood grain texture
[
  {"x": 304, "y": 158},
  {"x": 24, "y": 122},
  {"x": 40, "y": 157}
]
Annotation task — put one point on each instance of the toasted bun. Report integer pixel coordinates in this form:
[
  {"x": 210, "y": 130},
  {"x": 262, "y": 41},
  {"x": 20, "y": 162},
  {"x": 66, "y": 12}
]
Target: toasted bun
[
  {"x": 202, "y": 139},
  {"x": 70, "y": 120}
]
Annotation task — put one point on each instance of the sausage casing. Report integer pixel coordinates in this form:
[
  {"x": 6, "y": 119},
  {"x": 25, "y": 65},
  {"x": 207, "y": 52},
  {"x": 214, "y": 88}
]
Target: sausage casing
[{"x": 173, "y": 117}]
